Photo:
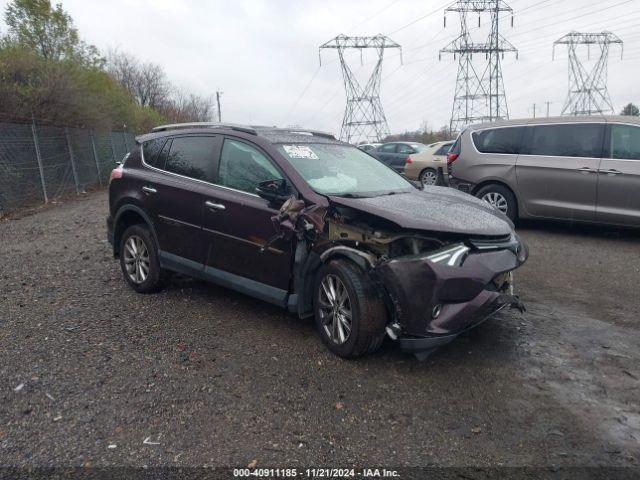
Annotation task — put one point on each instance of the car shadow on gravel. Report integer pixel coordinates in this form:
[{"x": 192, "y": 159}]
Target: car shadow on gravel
[{"x": 495, "y": 340}]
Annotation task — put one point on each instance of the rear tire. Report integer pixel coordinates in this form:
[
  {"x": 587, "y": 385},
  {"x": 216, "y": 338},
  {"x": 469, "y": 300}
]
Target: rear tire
[
  {"x": 501, "y": 198},
  {"x": 139, "y": 260},
  {"x": 428, "y": 177},
  {"x": 356, "y": 326}
]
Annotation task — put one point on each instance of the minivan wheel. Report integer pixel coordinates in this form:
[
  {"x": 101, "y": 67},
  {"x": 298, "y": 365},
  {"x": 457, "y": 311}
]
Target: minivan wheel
[
  {"x": 139, "y": 260},
  {"x": 349, "y": 310},
  {"x": 501, "y": 199},
  {"x": 429, "y": 177}
]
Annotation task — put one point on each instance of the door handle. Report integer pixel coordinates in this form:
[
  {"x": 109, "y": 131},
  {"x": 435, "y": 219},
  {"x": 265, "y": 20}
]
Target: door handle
[
  {"x": 611, "y": 172},
  {"x": 149, "y": 190},
  {"x": 588, "y": 170},
  {"x": 214, "y": 206}
]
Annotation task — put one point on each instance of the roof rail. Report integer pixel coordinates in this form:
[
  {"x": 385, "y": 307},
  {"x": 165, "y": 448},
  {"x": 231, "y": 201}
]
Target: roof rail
[
  {"x": 178, "y": 126},
  {"x": 301, "y": 131}
]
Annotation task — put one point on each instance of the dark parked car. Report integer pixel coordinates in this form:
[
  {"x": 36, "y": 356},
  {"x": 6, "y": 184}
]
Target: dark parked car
[
  {"x": 314, "y": 225},
  {"x": 395, "y": 154},
  {"x": 367, "y": 147}
]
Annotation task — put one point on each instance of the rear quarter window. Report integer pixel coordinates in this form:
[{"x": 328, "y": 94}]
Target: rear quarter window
[
  {"x": 151, "y": 150},
  {"x": 444, "y": 149},
  {"x": 499, "y": 140}
]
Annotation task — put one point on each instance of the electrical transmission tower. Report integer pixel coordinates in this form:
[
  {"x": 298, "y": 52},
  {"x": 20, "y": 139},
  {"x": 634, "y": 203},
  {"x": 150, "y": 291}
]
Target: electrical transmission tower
[
  {"x": 479, "y": 93},
  {"x": 364, "y": 119},
  {"x": 588, "y": 93}
]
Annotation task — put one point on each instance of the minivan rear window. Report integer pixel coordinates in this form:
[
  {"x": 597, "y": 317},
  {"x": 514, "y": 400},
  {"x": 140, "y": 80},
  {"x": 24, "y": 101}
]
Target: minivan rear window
[
  {"x": 499, "y": 140},
  {"x": 565, "y": 140}
]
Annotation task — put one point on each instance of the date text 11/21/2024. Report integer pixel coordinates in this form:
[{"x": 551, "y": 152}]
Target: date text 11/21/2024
[{"x": 315, "y": 472}]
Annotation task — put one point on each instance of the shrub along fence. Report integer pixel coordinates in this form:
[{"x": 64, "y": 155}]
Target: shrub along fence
[{"x": 39, "y": 163}]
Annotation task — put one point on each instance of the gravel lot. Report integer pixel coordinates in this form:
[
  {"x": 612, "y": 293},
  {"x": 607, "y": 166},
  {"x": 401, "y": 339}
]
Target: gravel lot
[{"x": 89, "y": 369}]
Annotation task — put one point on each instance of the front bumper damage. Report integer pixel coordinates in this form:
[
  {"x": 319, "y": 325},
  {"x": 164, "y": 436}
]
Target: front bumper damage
[
  {"x": 448, "y": 285},
  {"x": 434, "y": 303}
]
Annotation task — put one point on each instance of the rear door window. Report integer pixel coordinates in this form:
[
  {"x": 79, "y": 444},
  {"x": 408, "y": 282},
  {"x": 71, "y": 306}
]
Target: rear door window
[
  {"x": 390, "y": 148},
  {"x": 567, "y": 140},
  {"x": 499, "y": 140},
  {"x": 402, "y": 148},
  {"x": 624, "y": 142},
  {"x": 192, "y": 157}
]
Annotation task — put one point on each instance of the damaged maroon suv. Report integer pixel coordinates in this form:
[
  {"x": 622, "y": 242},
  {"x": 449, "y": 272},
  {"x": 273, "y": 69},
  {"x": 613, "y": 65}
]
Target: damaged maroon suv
[{"x": 314, "y": 225}]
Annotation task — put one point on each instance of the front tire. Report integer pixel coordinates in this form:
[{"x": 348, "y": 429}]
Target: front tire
[
  {"x": 501, "y": 198},
  {"x": 349, "y": 311},
  {"x": 139, "y": 260}
]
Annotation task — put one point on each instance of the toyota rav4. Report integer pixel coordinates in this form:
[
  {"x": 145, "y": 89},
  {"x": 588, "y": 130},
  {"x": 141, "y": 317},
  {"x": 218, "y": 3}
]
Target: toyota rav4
[{"x": 314, "y": 225}]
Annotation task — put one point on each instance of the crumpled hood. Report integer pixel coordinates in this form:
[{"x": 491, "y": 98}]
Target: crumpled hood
[{"x": 437, "y": 209}]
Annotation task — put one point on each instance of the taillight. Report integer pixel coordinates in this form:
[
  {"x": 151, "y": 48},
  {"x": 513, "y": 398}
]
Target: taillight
[
  {"x": 409, "y": 161},
  {"x": 116, "y": 173},
  {"x": 452, "y": 157}
]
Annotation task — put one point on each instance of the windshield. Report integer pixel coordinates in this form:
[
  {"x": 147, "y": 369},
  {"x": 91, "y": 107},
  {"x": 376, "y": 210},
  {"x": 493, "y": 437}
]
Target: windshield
[
  {"x": 419, "y": 147},
  {"x": 343, "y": 170}
]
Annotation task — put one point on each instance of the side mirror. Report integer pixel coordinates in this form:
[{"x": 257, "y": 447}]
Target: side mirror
[{"x": 275, "y": 191}]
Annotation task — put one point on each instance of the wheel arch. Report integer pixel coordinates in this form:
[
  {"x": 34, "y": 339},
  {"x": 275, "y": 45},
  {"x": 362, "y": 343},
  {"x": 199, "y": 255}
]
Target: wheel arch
[
  {"x": 126, "y": 216},
  {"x": 305, "y": 300}
]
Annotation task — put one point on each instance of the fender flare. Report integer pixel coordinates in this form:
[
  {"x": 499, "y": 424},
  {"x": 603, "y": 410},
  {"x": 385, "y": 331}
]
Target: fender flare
[
  {"x": 315, "y": 261},
  {"x": 118, "y": 217},
  {"x": 360, "y": 258}
]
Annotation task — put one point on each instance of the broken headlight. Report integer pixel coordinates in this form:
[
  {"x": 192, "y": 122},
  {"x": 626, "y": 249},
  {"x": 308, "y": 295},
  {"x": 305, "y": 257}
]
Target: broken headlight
[{"x": 452, "y": 256}]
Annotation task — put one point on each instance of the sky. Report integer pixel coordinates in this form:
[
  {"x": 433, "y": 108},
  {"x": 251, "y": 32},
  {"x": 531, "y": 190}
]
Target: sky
[{"x": 263, "y": 54}]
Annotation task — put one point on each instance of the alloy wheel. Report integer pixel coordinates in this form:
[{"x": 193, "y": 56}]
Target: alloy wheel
[
  {"x": 335, "y": 309},
  {"x": 428, "y": 177},
  {"x": 136, "y": 259},
  {"x": 497, "y": 201}
]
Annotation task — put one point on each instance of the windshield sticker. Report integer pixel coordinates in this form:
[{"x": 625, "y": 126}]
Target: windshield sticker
[{"x": 300, "y": 151}]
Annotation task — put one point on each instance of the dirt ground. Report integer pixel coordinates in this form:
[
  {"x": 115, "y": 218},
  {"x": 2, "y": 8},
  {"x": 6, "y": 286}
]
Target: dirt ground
[{"x": 92, "y": 373}]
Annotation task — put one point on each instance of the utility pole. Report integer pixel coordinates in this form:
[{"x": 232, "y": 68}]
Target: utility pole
[
  {"x": 548, "y": 104},
  {"x": 479, "y": 95},
  {"x": 534, "y": 110},
  {"x": 218, "y": 94},
  {"x": 364, "y": 118},
  {"x": 588, "y": 92}
]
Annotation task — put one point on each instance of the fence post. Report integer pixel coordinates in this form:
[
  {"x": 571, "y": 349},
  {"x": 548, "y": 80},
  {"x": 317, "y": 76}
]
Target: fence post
[
  {"x": 71, "y": 159},
  {"x": 113, "y": 147},
  {"x": 95, "y": 156},
  {"x": 35, "y": 142}
]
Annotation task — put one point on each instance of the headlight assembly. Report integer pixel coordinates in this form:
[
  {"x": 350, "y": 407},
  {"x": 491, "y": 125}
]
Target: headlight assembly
[{"x": 453, "y": 256}]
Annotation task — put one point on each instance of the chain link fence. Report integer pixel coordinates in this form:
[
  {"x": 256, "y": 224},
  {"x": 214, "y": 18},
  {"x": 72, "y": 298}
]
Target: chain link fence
[{"x": 39, "y": 163}]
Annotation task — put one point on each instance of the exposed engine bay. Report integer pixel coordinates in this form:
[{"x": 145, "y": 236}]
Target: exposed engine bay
[{"x": 435, "y": 284}]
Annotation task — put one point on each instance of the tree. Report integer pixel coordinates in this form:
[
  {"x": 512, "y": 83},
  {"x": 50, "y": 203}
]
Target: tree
[
  {"x": 148, "y": 85},
  {"x": 48, "y": 73},
  {"x": 146, "y": 82},
  {"x": 188, "y": 108},
  {"x": 49, "y": 31},
  {"x": 631, "y": 110}
]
